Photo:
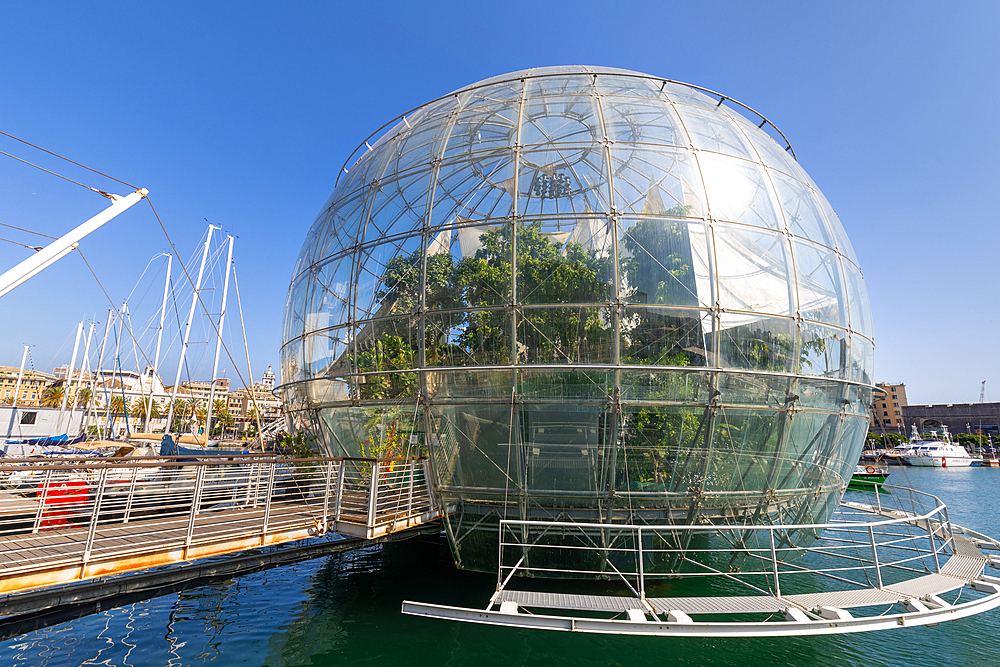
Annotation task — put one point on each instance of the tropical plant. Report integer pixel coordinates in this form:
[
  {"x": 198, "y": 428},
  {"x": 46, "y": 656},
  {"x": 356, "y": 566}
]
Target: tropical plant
[
  {"x": 139, "y": 408},
  {"x": 83, "y": 398},
  {"x": 118, "y": 405},
  {"x": 221, "y": 418},
  {"x": 52, "y": 395}
]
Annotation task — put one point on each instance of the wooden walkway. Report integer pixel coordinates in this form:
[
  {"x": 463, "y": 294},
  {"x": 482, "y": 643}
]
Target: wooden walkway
[{"x": 189, "y": 525}]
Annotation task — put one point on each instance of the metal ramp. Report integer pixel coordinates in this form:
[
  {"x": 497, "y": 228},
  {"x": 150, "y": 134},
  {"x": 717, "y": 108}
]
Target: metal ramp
[
  {"x": 75, "y": 519},
  {"x": 888, "y": 565}
]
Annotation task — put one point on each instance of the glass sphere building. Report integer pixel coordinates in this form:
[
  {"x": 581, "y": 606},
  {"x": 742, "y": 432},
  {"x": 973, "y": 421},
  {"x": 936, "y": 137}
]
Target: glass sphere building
[{"x": 588, "y": 295}]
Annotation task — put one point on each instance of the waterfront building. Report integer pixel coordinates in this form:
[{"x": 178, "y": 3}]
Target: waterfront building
[
  {"x": 971, "y": 418},
  {"x": 589, "y": 295},
  {"x": 887, "y": 408},
  {"x": 33, "y": 383}
]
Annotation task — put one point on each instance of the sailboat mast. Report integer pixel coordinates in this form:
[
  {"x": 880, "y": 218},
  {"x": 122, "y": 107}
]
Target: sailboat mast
[
  {"x": 20, "y": 374},
  {"x": 79, "y": 378},
  {"x": 100, "y": 369},
  {"x": 159, "y": 339},
  {"x": 187, "y": 328},
  {"x": 218, "y": 342},
  {"x": 69, "y": 376}
]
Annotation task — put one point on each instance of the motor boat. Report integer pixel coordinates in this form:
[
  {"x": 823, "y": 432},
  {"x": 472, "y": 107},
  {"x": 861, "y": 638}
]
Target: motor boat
[{"x": 941, "y": 453}]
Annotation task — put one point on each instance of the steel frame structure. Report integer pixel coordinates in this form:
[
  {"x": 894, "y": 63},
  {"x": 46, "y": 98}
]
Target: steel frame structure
[
  {"x": 898, "y": 554},
  {"x": 739, "y": 374}
]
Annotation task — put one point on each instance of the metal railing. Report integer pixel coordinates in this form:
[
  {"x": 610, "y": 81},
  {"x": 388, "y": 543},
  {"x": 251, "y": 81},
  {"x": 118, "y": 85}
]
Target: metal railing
[
  {"x": 152, "y": 510},
  {"x": 852, "y": 548}
]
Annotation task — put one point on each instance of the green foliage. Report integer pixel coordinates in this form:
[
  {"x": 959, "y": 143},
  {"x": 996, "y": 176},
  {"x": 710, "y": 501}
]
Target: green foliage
[
  {"x": 388, "y": 353},
  {"x": 878, "y": 440},
  {"x": 973, "y": 442},
  {"x": 301, "y": 445},
  {"x": 52, "y": 395},
  {"x": 657, "y": 263}
]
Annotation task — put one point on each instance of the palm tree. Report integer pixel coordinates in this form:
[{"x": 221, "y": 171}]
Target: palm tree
[
  {"x": 220, "y": 414},
  {"x": 83, "y": 398},
  {"x": 182, "y": 411},
  {"x": 52, "y": 395},
  {"x": 139, "y": 408},
  {"x": 118, "y": 405}
]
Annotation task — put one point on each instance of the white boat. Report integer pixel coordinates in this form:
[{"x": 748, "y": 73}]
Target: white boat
[{"x": 940, "y": 453}]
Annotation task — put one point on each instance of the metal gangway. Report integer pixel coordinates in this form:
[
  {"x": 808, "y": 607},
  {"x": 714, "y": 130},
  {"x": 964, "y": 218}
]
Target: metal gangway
[
  {"x": 75, "y": 518},
  {"x": 892, "y": 560}
]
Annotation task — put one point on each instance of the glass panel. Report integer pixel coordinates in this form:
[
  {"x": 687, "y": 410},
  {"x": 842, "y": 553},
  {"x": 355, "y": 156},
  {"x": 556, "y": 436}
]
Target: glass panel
[
  {"x": 824, "y": 351},
  {"x": 444, "y": 385},
  {"x": 662, "y": 449},
  {"x": 745, "y": 451},
  {"x": 610, "y": 85},
  {"x": 802, "y": 212},
  {"x": 295, "y": 310},
  {"x": 753, "y": 270},
  {"x": 713, "y": 131},
  {"x": 843, "y": 243},
  {"x": 484, "y": 276},
  {"x": 752, "y": 390},
  {"x": 656, "y": 182},
  {"x": 584, "y": 384},
  {"x": 463, "y": 266},
  {"x": 655, "y": 385},
  {"x": 471, "y": 447},
  {"x": 564, "y": 336},
  {"x": 565, "y": 261},
  {"x": 642, "y": 122},
  {"x": 824, "y": 395},
  {"x": 861, "y": 400},
  {"x": 388, "y": 345},
  {"x": 738, "y": 191},
  {"x": 563, "y": 179},
  {"x": 820, "y": 284},
  {"x": 323, "y": 391},
  {"x": 420, "y": 143},
  {"x": 857, "y": 296},
  {"x": 481, "y": 188},
  {"x": 339, "y": 229},
  {"x": 377, "y": 431},
  {"x": 332, "y": 292},
  {"x": 665, "y": 336},
  {"x": 485, "y": 127},
  {"x": 388, "y": 281},
  {"x": 563, "y": 447},
  {"x": 543, "y": 89},
  {"x": 326, "y": 352},
  {"x": 812, "y": 437},
  {"x": 291, "y": 362},
  {"x": 686, "y": 95},
  {"x": 554, "y": 120},
  {"x": 771, "y": 153},
  {"x": 862, "y": 359},
  {"x": 664, "y": 261},
  {"x": 756, "y": 343},
  {"x": 397, "y": 206},
  {"x": 478, "y": 338}
]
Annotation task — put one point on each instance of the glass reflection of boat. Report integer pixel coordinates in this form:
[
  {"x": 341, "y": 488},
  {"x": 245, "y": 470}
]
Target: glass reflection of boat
[{"x": 868, "y": 476}]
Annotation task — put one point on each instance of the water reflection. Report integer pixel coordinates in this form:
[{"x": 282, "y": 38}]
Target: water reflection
[{"x": 344, "y": 609}]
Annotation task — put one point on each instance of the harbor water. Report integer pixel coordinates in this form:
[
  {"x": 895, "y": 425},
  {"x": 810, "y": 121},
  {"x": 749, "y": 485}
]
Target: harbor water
[{"x": 345, "y": 609}]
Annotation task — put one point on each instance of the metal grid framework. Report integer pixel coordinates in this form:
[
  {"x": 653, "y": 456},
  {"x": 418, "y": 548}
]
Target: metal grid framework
[
  {"x": 895, "y": 560},
  {"x": 77, "y": 519},
  {"x": 588, "y": 293}
]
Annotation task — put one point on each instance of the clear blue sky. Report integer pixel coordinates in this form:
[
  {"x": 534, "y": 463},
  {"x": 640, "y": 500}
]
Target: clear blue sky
[{"x": 242, "y": 113}]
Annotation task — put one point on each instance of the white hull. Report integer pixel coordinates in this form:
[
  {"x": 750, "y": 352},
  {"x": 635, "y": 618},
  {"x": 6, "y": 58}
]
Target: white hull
[{"x": 943, "y": 461}]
